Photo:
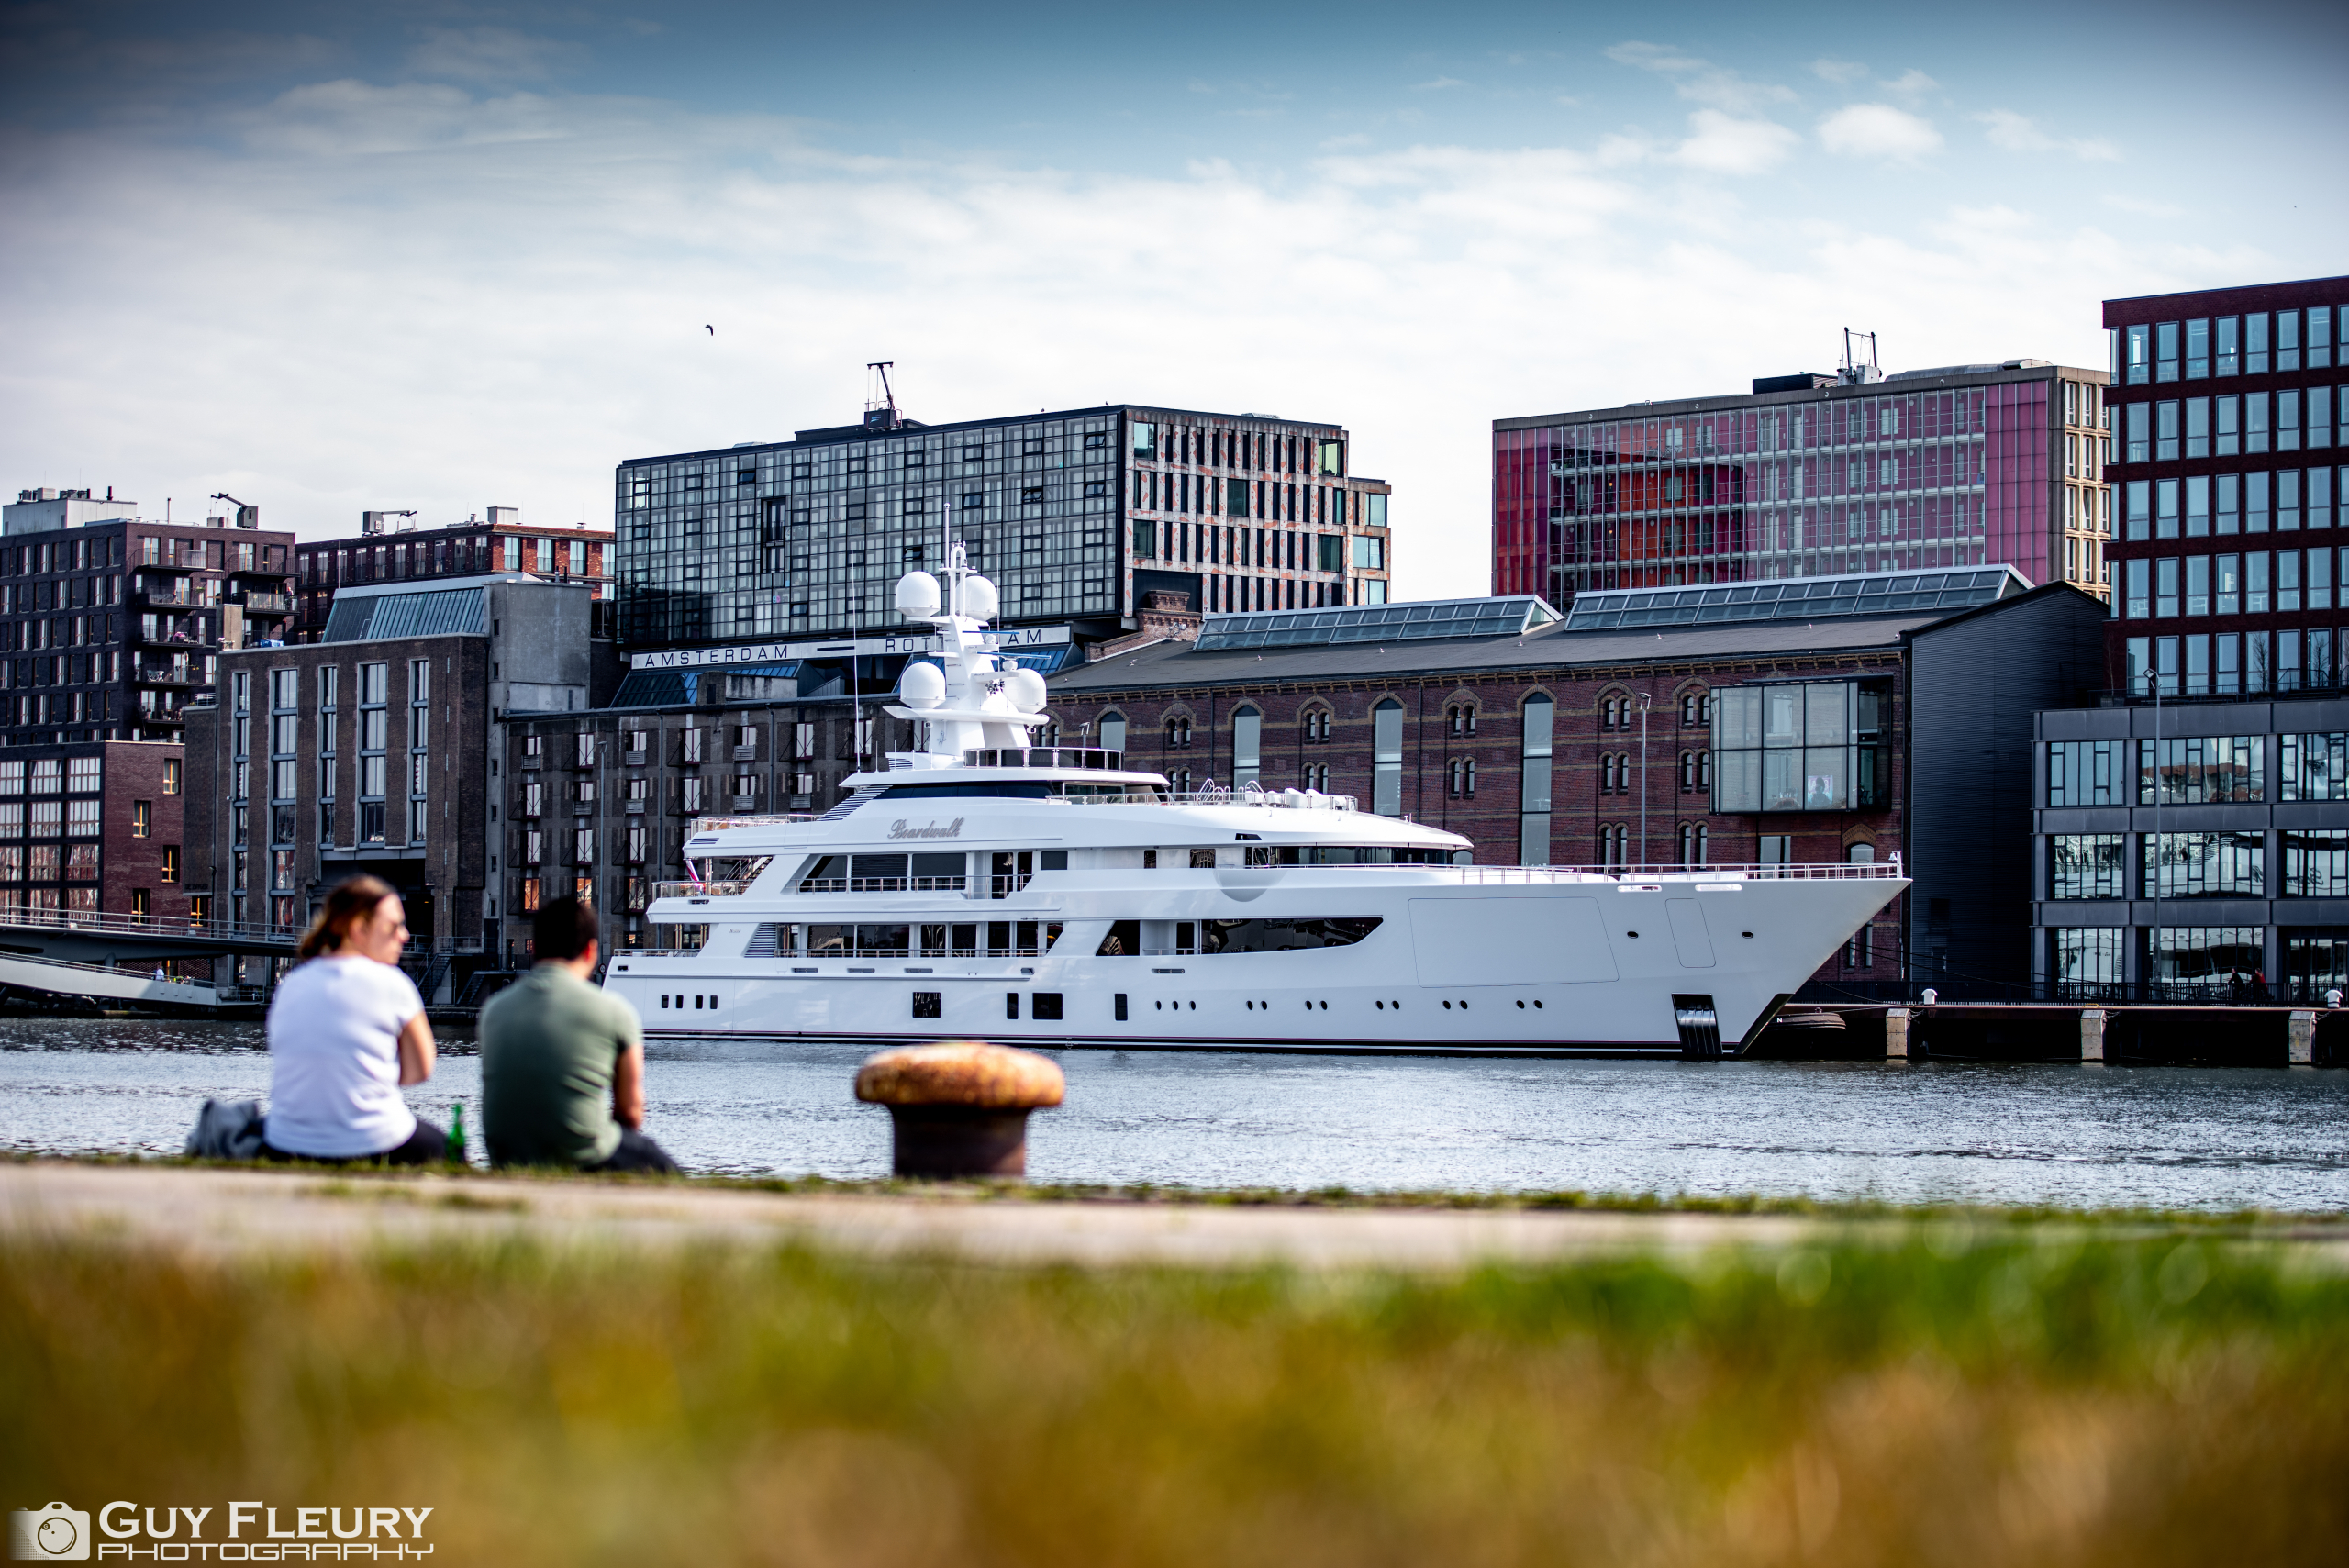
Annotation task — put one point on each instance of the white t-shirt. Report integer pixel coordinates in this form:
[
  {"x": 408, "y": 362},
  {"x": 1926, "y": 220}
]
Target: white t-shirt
[{"x": 334, "y": 1055}]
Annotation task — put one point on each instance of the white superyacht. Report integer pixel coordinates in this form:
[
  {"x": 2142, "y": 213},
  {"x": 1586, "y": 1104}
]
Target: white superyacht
[{"x": 1051, "y": 897}]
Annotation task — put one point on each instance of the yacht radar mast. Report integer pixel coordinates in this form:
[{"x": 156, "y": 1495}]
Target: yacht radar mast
[{"x": 973, "y": 698}]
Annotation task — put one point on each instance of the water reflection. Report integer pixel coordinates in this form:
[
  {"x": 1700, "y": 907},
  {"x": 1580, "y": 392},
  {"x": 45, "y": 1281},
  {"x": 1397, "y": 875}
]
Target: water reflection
[{"x": 2176, "y": 1137}]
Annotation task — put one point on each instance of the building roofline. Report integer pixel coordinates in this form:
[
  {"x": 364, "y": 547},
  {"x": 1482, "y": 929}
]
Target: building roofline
[
  {"x": 839, "y": 434},
  {"x": 2045, "y": 371},
  {"x": 2340, "y": 283},
  {"x": 449, "y": 585},
  {"x": 560, "y": 530}
]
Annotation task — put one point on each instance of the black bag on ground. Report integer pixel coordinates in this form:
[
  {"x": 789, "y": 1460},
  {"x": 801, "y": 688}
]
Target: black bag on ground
[{"x": 230, "y": 1131}]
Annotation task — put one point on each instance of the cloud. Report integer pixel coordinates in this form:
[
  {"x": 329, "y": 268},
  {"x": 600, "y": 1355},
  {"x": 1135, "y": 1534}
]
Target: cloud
[
  {"x": 337, "y": 247},
  {"x": 1722, "y": 145},
  {"x": 1840, "y": 71},
  {"x": 2017, "y": 133},
  {"x": 1878, "y": 130},
  {"x": 492, "y": 55},
  {"x": 1438, "y": 86},
  {"x": 1912, "y": 81},
  {"x": 2142, "y": 206},
  {"x": 1700, "y": 80}
]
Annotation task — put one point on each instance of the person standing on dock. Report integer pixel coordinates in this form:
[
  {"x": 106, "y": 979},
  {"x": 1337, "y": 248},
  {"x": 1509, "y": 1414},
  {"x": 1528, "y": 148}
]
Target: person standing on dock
[
  {"x": 347, "y": 1033},
  {"x": 562, "y": 1062}
]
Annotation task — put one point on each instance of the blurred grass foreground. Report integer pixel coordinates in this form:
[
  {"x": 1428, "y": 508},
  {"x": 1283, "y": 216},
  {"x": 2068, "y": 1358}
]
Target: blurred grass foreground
[{"x": 2019, "y": 1399}]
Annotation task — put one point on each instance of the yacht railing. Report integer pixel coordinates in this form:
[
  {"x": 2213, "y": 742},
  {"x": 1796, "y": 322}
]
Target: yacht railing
[
  {"x": 885, "y": 885},
  {"x": 1828, "y": 870},
  {"x": 700, "y": 889},
  {"x": 1216, "y": 794},
  {"x": 774, "y": 819},
  {"x": 1035, "y": 951}
]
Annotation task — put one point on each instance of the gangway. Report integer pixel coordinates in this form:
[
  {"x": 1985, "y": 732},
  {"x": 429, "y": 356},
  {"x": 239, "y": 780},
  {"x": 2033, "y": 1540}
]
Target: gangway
[{"x": 58, "y": 977}]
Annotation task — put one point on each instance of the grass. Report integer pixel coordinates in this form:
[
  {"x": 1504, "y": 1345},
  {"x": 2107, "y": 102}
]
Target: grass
[{"x": 2021, "y": 1394}]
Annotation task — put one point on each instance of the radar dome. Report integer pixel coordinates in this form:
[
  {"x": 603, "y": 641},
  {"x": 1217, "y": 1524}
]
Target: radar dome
[
  {"x": 1026, "y": 688},
  {"x": 923, "y": 684},
  {"x": 917, "y": 595},
  {"x": 978, "y": 597}
]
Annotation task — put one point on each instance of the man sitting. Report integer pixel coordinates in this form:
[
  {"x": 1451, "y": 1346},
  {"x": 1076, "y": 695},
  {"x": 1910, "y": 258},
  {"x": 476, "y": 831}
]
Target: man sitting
[{"x": 563, "y": 1062}]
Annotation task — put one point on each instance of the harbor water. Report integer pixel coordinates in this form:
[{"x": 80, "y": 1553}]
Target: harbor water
[{"x": 2011, "y": 1133}]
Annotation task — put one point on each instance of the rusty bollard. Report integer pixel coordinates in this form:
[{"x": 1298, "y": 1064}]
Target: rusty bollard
[{"x": 960, "y": 1109}]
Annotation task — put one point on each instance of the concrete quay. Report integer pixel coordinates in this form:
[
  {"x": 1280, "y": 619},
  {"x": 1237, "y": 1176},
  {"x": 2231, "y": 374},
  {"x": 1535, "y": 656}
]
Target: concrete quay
[{"x": 2138, "y": 1033}]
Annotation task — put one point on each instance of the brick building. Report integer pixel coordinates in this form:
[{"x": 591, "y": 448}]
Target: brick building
[
  {"x": 1809, "y": 721},
  {"x": 91, "y": 827},
  {"x": 376, "y": 751},
  {"x": 384, "y": 552},
  {"x": 109, "y": 622}
]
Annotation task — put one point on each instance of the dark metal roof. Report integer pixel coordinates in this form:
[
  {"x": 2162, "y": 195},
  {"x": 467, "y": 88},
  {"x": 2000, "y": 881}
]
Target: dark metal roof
[{"x": 446, "y": 612}]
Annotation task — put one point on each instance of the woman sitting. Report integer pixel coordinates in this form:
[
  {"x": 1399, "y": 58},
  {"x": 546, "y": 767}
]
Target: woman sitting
[{"x": 346, "y": 1034}]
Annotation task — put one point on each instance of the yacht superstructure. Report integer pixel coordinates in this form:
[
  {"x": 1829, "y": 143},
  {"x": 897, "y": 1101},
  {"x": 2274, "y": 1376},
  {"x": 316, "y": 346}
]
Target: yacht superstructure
[{"x": 1051, "y": 895}]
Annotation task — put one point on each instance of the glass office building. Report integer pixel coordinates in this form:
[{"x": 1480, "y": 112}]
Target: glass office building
[
  {"x": 2232, "y": 415},
  {"x": 1075, "y": 515},
  {"x": 1812, "y": 475}
]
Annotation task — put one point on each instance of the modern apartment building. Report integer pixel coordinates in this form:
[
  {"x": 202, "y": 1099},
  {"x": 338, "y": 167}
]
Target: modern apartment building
[
  {"x": 384, "y": 551},
  {"x": 2227, "y": 466},
  {"x": 376, "y": 750},
  {"x": 1075, "y": 515},
  {"x": 110, "y": 622},
  {"x": 1811, "y": 476}
]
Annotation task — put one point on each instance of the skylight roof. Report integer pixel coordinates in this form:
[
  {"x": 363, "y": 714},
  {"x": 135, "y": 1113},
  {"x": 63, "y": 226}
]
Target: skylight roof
[
  {"x": 1797, "y": 598},
  {"x": 1415, "y": 620}
]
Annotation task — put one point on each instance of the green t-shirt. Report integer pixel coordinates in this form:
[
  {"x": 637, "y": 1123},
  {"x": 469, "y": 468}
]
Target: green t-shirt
[{"x": 549, "y": 1043}]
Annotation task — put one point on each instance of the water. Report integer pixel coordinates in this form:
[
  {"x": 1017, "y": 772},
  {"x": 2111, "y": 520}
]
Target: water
[{"x": 2169, "y": 1136}]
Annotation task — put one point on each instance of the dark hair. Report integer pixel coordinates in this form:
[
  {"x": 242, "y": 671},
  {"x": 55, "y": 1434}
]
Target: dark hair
[
  {"x": 352, "y": 900},
  {"x": 564, "y": 928}
]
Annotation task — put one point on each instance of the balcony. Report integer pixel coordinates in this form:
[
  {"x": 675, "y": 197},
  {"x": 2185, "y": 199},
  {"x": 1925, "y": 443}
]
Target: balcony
[
  {"x": 178, "y": 596},
  {"x": 167, "y": 561},
  {"x": 260, "y": 603},
  {"x": 178, "y": 672}
]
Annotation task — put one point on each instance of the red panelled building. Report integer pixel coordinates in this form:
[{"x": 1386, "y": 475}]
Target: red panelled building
[{"x": 1809, "y": 475}]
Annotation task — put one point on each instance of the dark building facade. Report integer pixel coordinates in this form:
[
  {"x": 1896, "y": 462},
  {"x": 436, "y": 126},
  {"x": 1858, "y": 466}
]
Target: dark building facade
[
  {"x": 1809, "y": 475},
  {"x": 601, "y": 804},
  {"x": 109, "y": 624},
  {"x": 2230, "y": 406},
  {"x": 383, "y": 552},
  {"x": 2186, "y": 848},
  {"x": 375, "y": 751},
  {"x": 1075, "y": 515},
  {"x": 1808, "y": 721}
]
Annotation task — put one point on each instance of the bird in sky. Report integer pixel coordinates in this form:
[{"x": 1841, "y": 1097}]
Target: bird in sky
[{"x": 708, "y": 328}]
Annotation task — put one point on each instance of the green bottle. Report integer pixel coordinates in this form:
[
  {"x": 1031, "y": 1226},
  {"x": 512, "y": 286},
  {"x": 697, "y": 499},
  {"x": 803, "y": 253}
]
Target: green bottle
[{"x": 457, "y": 1135}]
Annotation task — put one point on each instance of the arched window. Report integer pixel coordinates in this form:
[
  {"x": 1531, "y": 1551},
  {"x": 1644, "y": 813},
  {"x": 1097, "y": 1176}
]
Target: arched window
[
  {"x": 1704, "y": 772},
  {"x": 1606, "y": 772},
  {"x": 1687, "y": 773},
  {"x": 1113, "y": 730},
  {"x": 1316, "y": 724},
  {"x": 1178, "y": 732},
  {"x": 1315, "y": 775},
  {"x": 1387, "y": 757},
  {"x": 1247, "y": 739}
]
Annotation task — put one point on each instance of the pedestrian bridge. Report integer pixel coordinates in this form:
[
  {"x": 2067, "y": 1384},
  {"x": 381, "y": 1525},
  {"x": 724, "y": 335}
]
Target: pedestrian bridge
[
  {"x": 92, "y": 937},
  {"x": 58, "y": 977}
]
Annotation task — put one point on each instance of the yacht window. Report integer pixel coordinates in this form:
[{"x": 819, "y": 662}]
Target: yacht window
[{"x": 1282, "y": 936}]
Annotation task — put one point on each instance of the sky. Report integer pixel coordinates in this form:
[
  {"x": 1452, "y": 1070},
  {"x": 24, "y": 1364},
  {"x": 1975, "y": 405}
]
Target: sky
[{"x": 335, "y": 257}]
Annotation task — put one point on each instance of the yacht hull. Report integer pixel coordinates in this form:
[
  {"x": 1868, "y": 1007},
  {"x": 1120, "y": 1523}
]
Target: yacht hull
[{"x": 1468, "y": 960}]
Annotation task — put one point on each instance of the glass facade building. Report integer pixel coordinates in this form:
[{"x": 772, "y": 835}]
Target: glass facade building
[
  {"x": 1075, "y": 515},
  {"x": 2228, "y": 426},
  {"x": 1811, "y": 476}
]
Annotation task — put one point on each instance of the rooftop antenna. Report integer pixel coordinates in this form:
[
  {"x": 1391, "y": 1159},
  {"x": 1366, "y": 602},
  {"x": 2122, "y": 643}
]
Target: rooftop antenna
[
  {"x": 1857, "y": 371},
  {"x": 880, "y": 412},
  {"x": 379, "y": 522}
]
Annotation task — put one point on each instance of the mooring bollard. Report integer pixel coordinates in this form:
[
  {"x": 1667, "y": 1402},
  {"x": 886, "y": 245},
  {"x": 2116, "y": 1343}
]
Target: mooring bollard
[
  {"x": 960, "y": 1109},
  {"x": 1896, "y": 1034},
  {"x": 2092, "y": 1034},
  {"x": 2301, "y": 1032}
]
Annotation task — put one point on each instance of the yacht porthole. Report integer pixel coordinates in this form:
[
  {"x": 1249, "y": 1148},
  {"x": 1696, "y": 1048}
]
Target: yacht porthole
[
  {"x": 1521, "y": 1007},
  {"x": 1447, "y": 1006},
  {"x": 1380, "y": 1005},
  {"x": 1537, "y": 1001},
  {"x": 1634, "y": 933},
  {"x": 1252, "y": 1006},
  {"x": 1195, "y": 1007},
  {"x": 1325, "y": 1007}
]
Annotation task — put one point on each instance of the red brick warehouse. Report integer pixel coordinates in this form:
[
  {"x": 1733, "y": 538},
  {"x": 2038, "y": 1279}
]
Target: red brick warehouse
[{"x": 1520, "y": 730}]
